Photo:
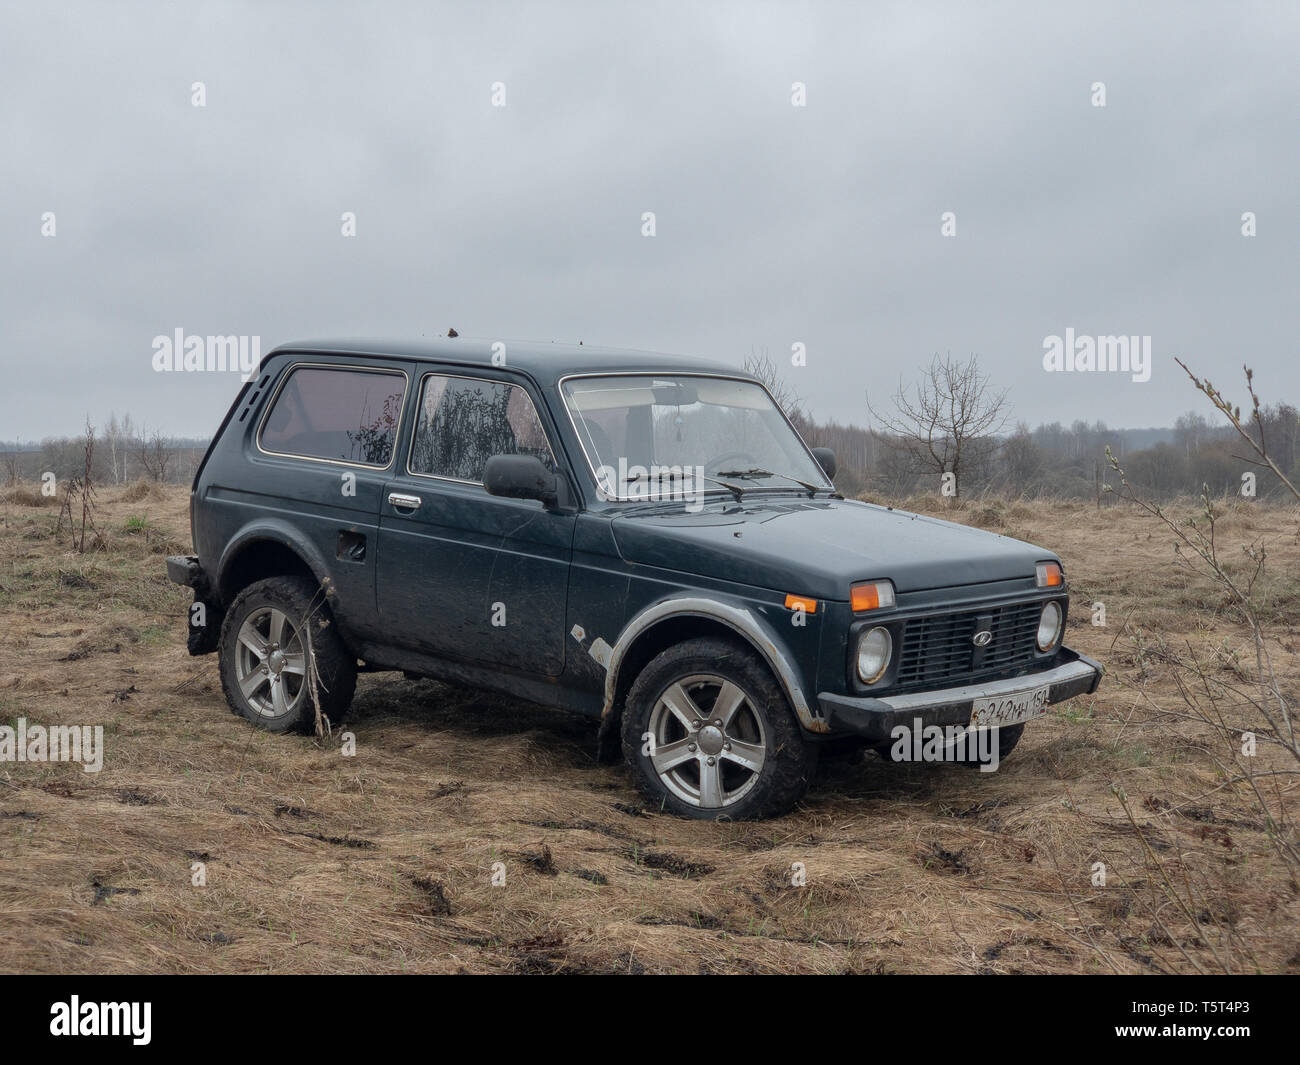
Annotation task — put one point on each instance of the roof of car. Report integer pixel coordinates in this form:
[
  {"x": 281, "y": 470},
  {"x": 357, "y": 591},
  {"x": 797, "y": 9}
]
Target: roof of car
[{"x": 545, "y": 362}]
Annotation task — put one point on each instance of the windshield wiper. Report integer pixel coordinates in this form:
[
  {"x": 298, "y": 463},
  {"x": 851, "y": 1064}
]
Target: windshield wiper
[
  {"x": 812, "y": 488},
  {"x": 735, "y": 489}
]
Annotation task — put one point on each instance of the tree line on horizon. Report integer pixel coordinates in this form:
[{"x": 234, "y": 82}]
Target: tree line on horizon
[
  {"x": 950, "y": 421},
  {"x": 123, "y": 451}
]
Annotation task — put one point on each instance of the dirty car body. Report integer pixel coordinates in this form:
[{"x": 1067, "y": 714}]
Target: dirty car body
[{"x": 644, "y": 539}]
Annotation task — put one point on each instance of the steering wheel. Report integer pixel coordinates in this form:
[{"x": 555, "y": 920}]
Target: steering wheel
[{"x": 744, "y": 459}]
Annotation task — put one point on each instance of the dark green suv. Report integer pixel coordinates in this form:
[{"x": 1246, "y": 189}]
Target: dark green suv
[{"x": 641, "y": 538}]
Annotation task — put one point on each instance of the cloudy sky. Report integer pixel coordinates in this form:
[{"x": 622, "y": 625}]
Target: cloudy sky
[{"x": 775, "y": 224}]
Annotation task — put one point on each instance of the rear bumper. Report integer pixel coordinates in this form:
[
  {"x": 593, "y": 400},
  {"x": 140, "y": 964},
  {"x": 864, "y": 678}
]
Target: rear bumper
[
  {"x": 206, "y": 615},
  {"x": 874, "y": 718},
  {"x": 185, "y": 570}
]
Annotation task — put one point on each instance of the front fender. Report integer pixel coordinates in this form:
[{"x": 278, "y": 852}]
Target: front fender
[{"x": 736, "y": 617}]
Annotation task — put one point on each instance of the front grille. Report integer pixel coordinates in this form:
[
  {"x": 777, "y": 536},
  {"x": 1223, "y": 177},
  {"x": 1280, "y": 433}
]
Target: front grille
[{"x": 938, "y": 651}]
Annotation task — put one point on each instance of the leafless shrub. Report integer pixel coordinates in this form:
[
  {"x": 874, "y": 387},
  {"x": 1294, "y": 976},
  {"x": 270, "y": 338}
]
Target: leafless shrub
[
  {"x": 78, "y": 506},
  {"x": 1238, "y": 701},
  {"x": 314, "y": 619}
]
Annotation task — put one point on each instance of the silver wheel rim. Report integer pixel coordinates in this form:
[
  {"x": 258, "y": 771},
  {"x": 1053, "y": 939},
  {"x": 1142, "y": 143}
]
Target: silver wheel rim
[
  {"x": 709, "y": 744},
  {"x": 271, "y": 663}
]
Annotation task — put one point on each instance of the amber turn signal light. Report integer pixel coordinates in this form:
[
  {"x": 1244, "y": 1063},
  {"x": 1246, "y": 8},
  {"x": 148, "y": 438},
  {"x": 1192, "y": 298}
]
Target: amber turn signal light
[
  {"x": 801, "y": 602},
  {"x": 872, "y": 595},
  {"x": 1049, "y": 575}
]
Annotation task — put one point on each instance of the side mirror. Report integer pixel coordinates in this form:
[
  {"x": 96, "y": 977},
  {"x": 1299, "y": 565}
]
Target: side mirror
[
  {"x": 521, "y": 477},
  {"x": 826, "y": 460}
]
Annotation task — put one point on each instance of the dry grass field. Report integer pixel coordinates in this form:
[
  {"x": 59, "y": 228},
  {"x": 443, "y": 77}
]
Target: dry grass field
[{"x": 383, "y": 862}]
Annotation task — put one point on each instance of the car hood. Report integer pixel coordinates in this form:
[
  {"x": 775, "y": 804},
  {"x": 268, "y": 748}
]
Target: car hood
[{"x": 819, "y": 547}]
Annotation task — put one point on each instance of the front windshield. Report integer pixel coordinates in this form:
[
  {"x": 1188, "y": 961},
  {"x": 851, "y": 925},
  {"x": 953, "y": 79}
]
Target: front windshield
[{"x": 670, "y": 436}]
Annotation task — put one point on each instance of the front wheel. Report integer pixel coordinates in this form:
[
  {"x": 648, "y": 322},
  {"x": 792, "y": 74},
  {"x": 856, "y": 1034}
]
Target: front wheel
[{"x": 709, "y": 735}]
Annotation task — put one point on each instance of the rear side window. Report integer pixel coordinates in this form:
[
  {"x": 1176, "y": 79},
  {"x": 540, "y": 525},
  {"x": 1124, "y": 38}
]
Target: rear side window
[
  {"x": 341, "y": 415},
  {"x": 464, "y": 421}
]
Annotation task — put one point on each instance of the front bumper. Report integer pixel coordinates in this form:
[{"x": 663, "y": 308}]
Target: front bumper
[{"x": 875, "y": 718}]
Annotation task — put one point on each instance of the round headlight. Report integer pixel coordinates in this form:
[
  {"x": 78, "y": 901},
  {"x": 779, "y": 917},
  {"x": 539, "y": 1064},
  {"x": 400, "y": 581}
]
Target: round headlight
[
  {"x": 874, "y": 649},
  {"x": 1049, "y": 626}
]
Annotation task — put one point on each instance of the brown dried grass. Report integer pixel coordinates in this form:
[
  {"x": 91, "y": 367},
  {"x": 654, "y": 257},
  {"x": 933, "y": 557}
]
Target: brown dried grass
[{"x": 383, "y": 862}]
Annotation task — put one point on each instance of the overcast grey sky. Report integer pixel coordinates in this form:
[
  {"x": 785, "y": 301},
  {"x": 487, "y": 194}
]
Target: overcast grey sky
[{"x": 775, "y": 224}]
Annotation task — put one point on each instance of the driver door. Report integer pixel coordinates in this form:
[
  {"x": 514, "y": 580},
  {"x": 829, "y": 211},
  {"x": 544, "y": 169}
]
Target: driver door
[{"x": 464, "y": 574}]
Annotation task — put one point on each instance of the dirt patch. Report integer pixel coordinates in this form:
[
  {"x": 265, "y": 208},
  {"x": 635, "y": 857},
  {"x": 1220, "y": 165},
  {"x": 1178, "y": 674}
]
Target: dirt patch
[
  {"x": 136, "y": 797},
  {"x": 103, "y": 892},
  {"x": 941, "y": 859},
  {"x": 671, "y": 863},
  {"x": 542, "y": 860},
  {"x": 435, "y": 895}
]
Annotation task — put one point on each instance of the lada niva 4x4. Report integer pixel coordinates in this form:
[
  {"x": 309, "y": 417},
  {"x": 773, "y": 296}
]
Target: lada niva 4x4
[{"x": 644, "y": 539}]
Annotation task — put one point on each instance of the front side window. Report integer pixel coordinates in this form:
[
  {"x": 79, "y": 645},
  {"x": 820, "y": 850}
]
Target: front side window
[
  {"x": 464, "y": 421},
  {"x": 340, "y": 415},
  {"x": 644, "y": 434}
]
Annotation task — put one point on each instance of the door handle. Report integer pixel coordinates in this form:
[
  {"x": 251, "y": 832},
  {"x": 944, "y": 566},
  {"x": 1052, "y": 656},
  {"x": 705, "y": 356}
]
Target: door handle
[{"x": 402, "y": 501}]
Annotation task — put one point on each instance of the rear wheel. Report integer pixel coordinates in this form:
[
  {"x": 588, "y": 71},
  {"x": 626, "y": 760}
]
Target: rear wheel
[
  {"x": 264, "y": 651},
  {"x": 709, "y": 735}
]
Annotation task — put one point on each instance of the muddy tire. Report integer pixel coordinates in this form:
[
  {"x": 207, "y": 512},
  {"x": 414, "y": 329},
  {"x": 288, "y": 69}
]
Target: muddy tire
[
  {"x": 263, "y": 656},
  {"x": 726, "y": 744}
]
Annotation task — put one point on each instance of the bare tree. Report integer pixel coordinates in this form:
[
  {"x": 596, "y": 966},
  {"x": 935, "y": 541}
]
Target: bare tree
[
  {"x": 1189, "y": 431},
  {"x": 153, "y": 454},
  {"x": 787, "y": 398},
  {"x": 11, "y": 460},
  {"x": 1022, "y": 459},
  {"x": 118, "y": 434},
  {"x": 945, "y": 423}
]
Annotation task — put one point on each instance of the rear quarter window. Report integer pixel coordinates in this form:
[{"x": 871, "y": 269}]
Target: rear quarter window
[{"x": 336, "y": 414}]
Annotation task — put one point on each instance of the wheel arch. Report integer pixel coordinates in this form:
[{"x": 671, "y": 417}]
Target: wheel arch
[
  {"x": 268, "y": 549},
  {"x": 670, "y": 621}
]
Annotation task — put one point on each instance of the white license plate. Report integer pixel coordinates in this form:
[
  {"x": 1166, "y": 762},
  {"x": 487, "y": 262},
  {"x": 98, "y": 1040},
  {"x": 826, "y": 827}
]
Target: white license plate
[{"x": 1009, "y": 709}]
